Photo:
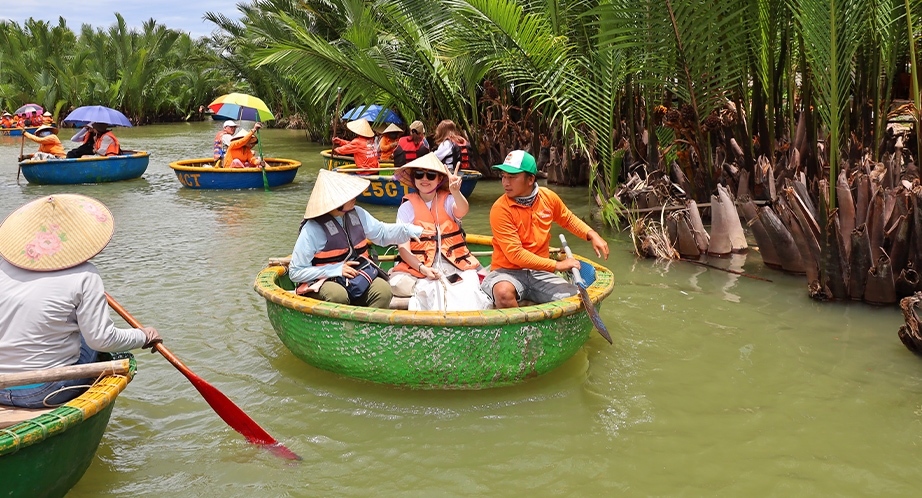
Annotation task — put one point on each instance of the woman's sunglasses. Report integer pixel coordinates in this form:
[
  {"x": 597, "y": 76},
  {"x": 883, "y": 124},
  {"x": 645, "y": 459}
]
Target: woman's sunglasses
[{"x": 430, "y": 175}]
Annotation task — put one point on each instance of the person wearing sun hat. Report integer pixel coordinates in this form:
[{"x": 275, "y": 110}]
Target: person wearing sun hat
[
  {"x": 521, "y": 222},
  {"x": 49, "y": 145},
  {"x": 53, "y": 310},
  {"x": 361, "y": 148},
  {"x": 411, "y": 146},
  {"x": 388, "y": 142},
  {"x": 6, "y": 120},
  {"x": 240, "y": 151},
  {"x": 47, "y": 118},
  {"x": 222, "y": 139},
  {"x": 330, "y": 260},
  {"x": 437, "y": 205}
]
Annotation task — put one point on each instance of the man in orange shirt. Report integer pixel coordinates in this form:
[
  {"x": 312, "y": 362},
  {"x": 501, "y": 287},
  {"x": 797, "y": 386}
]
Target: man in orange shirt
[{"x": 521, "y": 221}]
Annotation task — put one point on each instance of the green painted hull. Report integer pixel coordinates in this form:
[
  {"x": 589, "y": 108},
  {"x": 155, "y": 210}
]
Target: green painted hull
[
  {"x": 430, "y": 350},
  {"x": 46, "y": 455}
]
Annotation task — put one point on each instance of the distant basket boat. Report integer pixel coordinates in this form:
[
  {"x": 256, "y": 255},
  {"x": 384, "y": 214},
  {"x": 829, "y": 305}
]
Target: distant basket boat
[
  {"x": 431, "y": 349},
  {"x": 89, "y": 169},
  {"x": 200, "y": 174},
  {"x": 16, "y": 132},
  {"x": 47, "y": 454},
  {"x": 384, "y": 189}
]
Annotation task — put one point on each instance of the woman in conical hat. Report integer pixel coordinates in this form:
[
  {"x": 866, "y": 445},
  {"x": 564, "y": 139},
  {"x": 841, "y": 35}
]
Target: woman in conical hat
[
  {"x": 52, "y": 298},
  {"x": 330, "y": 258},
  {"x": 437, "y": 205},
  {"x": 388, "y": 142},
  {"x": 49, "y": 145},
  {"x": 240, "y": 151},
  {"x": 362, "y": 147}
]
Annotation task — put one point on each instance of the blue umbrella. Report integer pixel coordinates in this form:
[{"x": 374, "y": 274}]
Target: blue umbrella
[
  {"x": 370, "y": 113},
  {"x": 97, "y": 114}
]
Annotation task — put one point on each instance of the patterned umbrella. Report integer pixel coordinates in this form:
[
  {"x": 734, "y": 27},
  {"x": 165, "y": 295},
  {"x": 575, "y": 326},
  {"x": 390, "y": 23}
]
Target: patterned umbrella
[
  {"x": 97, "y": 114},
  {"x": 241, "y": 106},
  {"x": 29, "y": 108},
  {"x": 370, "y": 112}
]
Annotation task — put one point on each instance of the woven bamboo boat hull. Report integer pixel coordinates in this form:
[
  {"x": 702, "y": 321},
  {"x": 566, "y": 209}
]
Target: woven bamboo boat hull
[
  {"x": 47, "y": 455},
  {"x": 193, "y": 174},
  {"x": 384, "y": 189},
  {"x": 96, "y": 169},
  {"x": 431, "y": 350}
]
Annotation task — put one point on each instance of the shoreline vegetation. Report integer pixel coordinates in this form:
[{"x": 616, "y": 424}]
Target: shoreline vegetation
[{"x": 649, "y": 103}]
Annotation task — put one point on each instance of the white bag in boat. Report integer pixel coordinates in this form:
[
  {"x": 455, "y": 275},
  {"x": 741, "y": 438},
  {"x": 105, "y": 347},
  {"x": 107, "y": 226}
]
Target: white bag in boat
[{"x": 441, "y": 295}]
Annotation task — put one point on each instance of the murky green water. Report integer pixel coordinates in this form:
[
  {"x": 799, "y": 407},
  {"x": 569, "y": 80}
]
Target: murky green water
[{"x": 715, "y": 385}]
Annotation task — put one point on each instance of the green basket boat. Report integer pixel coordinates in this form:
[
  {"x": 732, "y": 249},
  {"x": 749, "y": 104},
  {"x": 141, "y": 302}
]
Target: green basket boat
[
  {"x": 431, "y": 349},
  {"x": 47, "y": 454}
]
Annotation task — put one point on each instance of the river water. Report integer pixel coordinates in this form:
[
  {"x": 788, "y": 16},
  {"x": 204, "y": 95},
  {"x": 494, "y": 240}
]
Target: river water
[{"x": 716, "y": 385}]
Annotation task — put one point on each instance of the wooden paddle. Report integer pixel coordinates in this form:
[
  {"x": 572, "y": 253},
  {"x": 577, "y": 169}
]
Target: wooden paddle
[
  {"x": 22, "y": 145},
  {"x": 262, "y": 161},
  {"x": 584, "y": 296},
  {"x": 221, "y": 404}
]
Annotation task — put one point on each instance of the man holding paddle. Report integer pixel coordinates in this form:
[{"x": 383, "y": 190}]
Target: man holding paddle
[
  {"x": 53, "y": 310},
  {"x": 521, "y": 222}
]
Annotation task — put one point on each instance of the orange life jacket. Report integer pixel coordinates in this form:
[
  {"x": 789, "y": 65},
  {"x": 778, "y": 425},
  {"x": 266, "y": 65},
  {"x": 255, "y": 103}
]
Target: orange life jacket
[
  {"x": 341, "y": 243},
  {"x": 114, "y": 149},
  {"x": 6, "y": 123},
  {"x": 453, "y": 247},
  {"x": 47, "y": 120}
]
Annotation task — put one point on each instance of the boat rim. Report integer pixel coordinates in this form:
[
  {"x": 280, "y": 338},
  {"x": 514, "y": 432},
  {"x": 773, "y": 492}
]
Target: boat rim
[
  {"x": 187, "y": 165},
  {"x": 37, "y": 429},
  {"x": 134, "y": 154},
  {"x": 266, "y": 286}
]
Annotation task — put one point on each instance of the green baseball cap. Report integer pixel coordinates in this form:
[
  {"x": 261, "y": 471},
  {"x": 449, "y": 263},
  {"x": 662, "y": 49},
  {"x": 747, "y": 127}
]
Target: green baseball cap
[{"x": 518, "y": 161}]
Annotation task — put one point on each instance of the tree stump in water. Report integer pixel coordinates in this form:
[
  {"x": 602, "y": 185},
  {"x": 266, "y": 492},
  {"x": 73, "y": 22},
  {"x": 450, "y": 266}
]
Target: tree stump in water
[{"x": 909, "y": 333}]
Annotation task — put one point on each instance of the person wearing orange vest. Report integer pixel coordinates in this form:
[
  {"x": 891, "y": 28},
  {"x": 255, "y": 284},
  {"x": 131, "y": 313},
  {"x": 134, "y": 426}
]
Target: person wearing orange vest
[
  {"x": 330, "y": 260},
  {"x": 106, "y": 144},
  {"x": 222, "y": 139},
  {"x": 18, "y": 122},
  {"x": 521, "y": 223},
  {"x": 453, "y": 149},
  {"x": 240, "y": 151},
  {"x": 388, "y": 143},
  {"x": 411, "y": 146},
  {"x": 6, "y": 120},
  {"x": 47, "y": 118},
  {"x": 437, "y": 206},
  {"x": 49, "y": 145},
  {"x": 362, "y": 147},
  {"x": 35, "y": 120}
]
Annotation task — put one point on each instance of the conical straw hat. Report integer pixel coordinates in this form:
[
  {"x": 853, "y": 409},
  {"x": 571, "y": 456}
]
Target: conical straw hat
[
  {"x": 361, "y": 127},
  {"x": 392, "y": 128},
  {"x": 332, "y": 190},
  {"x": 404, "y": 174},
  {"x": 55, "y": 232}
]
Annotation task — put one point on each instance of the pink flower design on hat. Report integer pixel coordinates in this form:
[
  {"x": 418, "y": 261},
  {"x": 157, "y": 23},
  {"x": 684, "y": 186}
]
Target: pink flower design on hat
[
  {"x": 47, "y": 243},
  {"x": 99, "y": 214},
  {"x": 31, "y": 251}
]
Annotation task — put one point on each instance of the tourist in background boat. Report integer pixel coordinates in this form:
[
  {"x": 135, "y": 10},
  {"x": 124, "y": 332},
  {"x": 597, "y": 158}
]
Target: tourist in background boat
[
  {"x": 49, "y": 145},
  {"x": 222, "y": 139},
  {"x": 437, "y": 206},
  {"x": 361, "y": 148},
  {"x": 18, "y": 122},
  {"x": 53, "y": 309},
  {"x": 330, "y": 260},
  {"x": 47, "y": 118},
  {"x": 412, "y": 146},
  {"x": 240, "y": 151},
  {"x": 388, "y": 142},
  {"x": 521, "y": 223},
  {"x": 35, "y": 119},
  {"x": 453, "y": 149},
  {"x": 6, "y": 120}
]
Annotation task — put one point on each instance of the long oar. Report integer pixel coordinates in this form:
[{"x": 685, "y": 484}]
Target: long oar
[
  {"x": 262, "y": 161},
  {"x": 584, "y": 296},
  {"x": 221, "y": 404},
  {"x": 22, "y": 145}
]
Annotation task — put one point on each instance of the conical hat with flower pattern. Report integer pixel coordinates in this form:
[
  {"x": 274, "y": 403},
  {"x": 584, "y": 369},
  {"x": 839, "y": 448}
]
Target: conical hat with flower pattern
[{"x": 56, "y": 232}]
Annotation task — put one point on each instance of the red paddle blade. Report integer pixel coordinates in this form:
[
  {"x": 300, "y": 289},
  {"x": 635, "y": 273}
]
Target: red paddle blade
[
  {"x": 593, "y": 314},
  {"x": 237, "y": 418}
]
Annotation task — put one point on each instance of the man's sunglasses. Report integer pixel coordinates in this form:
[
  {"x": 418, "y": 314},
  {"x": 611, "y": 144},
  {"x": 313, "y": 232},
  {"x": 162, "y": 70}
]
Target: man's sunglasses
[{"x": 430, "y": 175}]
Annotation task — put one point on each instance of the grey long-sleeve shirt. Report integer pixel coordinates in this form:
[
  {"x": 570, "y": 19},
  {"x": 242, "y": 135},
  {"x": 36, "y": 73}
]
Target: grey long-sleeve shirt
[{"x": 42, "y": 315}]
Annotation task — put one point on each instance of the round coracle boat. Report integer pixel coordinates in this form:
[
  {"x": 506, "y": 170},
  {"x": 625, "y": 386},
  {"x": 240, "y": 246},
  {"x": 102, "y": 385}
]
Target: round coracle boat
[
  {"x": 45, "y": 452},
  {"x": 201, "y": 174},
  {"x": 16, "y": 132},
  {"x": 89, "y": 169},
  {"x": 431, "y": 349}
]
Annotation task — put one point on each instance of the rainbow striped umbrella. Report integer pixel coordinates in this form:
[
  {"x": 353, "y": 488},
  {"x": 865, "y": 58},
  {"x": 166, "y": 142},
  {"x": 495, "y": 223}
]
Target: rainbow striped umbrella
[{"x": 241, "y": 106}]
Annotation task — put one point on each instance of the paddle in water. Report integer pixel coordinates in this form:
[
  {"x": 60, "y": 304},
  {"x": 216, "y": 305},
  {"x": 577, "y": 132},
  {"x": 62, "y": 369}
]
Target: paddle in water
[
  {"x": 262, "y": 161},
  {"x": 584, "y": 295},
  {"x": 221, "y": 404}
]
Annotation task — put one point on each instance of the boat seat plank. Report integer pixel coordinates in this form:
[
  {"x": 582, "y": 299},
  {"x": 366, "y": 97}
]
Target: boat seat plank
[{"x": 10, "y": 415}]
